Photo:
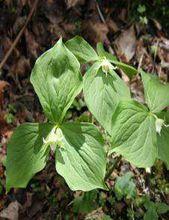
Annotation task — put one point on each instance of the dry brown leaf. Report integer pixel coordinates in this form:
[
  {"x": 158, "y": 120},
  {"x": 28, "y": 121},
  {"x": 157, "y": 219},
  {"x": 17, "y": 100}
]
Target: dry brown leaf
[
  {"x": 35, "y": 208},
  {"x": 8, "y": 2},
  {"x": 11, "y": 212},
  {"x": 123, "y": 14},
  {"x": 126, "y": 44},
  {"x": 21, "y": 66},
  {"x": 112, "y": 26},
  {"x": 97, "y": 214},
  {"x": 143, "y": 58},
  {"x": 7, "y": 43},
  {"x": 57, "y": 31},
  {"x": 137, "y": 89},
  {"x": 69, "y": 27},
  {"x": 163, "y": 50},
  {"x": 23, "y": 2},
  {"x": 32, "y": 45},
  {"x": 73, "y": 3},
  {"x": 19, "y": 23},
  {"x": 96, "y": 31}
]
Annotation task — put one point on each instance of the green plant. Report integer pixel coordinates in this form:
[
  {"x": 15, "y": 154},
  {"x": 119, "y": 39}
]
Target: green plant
[
  {"x": 144, "y": 11},
  {"x": 138, "y": 132},
  {"x": 153, "y": 210},
  {"x": 125, "y": 187}
]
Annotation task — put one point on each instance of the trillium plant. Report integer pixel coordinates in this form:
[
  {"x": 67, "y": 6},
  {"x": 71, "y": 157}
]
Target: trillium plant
[{"x": 138, "y": 131}]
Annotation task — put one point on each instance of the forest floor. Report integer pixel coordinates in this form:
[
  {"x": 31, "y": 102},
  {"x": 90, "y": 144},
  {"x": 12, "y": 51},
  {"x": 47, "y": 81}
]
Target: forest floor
[{"x": 142, "y": 43}]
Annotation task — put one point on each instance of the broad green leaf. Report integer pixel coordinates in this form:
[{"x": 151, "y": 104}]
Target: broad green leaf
[
  {"x": 102, "y": 93},
  {"x": 57, "y": 81},
  {"x": 127, "y": 69},
  {"x": 81, "y": 49},
  {"x": 156, "y": 93},
  {"x": 81, "y": 160},
  {"x": 23, "y": 161},
  {"x": 134, "y": 134},
  {"x": 130, "y": 71},
  {"x": 163, "y": 142}
]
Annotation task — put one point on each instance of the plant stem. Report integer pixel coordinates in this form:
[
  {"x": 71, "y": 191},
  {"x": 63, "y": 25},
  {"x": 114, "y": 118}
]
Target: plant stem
[{"x": 112, "y": 167}]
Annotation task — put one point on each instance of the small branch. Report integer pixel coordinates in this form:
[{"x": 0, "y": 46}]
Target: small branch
[
  {"x": 100, "y": 13},
  {"x": 140, "y": 62},
  {"x": 112, "y": 167},
  {"x": 19, "y": 35},
  {"x": 110, "y": 49}
]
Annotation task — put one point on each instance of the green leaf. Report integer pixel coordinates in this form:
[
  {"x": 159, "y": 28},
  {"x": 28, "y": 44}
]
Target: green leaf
[
  {"x": 125, "y": 186},
  {"x": 151, "y": 209},
  {"x": 130, "y": 71},
  {"x": 163, "y": 142},
  {"x": 57, "y": 81},
  {"x": 23, "y": 161},
  {"x": 161, "y": 207},
  {"x": 127, "y": 69},
  {"x": 81, "y": 160},
  {"x": 134, "y": 134},
  {"x": 81, "y": 49},
  {"x": 151, "y": 214},
  {"x": 102, "y": 93},
  {"x": 156, "y": 93}
]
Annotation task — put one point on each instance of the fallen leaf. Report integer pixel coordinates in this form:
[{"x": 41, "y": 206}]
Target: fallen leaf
[
  {"x": 142, "y": 56},
  {"x": 7, "y": 43},
  {"x": 69, "y": 27},
  {"x": 23, "y": 2},
  {"x": 126, "y": 44},
  {"x": 112, "y": 26},
  {"x": 32, "y": 44},
  {"x": 97, "y": 214},
  {"x": 21, "y": 66},
  {"x": 35, "y": 208},
  {"x": 73, "y": 3},
  {"x": 20, "y": 21},
  {"x": 96, "y": 31},
  {"x": 163, "y": 50},
  {"x": 123, "y": 14},
  {"x": 11, "y": 212}
]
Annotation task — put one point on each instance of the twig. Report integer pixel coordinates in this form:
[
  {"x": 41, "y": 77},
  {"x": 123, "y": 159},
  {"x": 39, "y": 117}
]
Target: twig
[
  {"x": 100, "y": 13},
  {"x": 140, "y": 62},
  {"x": 110, "y": 49},
  {"x": 112, "y": 167},
  {"x": 19, "y": 35}
]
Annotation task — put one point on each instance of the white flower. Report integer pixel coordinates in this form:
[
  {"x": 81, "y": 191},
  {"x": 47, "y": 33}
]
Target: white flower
[
  {"x": 159, "y": 123},
  {"x": 55, "y": 137},
  {"x": 107, "y": 66}
]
